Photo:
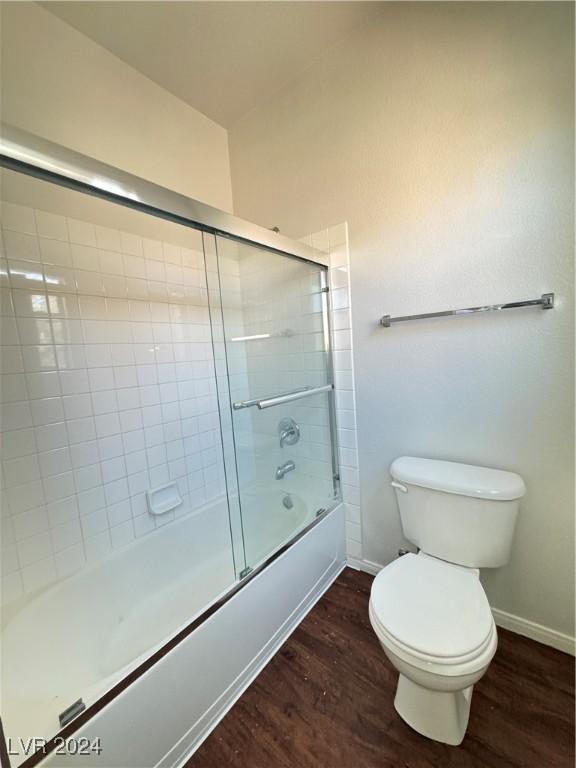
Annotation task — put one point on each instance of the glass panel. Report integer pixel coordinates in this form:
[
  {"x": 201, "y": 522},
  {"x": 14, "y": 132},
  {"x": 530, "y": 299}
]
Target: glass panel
[
  {"x": 109, "y": 414},
  {"x": 226, "y": 425},
  {"x": 276, "y": 340}
]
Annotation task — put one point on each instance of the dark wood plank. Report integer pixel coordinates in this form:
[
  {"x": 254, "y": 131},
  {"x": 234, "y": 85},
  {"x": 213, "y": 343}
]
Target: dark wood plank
[{"x": 326, "y": 701}]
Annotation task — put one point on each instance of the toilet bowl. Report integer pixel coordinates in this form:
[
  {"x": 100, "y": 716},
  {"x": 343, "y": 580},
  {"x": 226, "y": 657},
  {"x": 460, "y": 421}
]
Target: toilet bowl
[
  {"x": 435, "y": 626},
  {"x": 429, "y": 611}
]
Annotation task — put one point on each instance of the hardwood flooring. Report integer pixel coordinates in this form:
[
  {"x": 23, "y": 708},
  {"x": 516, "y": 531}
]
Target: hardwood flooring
[{"x": 326, "y": 701}]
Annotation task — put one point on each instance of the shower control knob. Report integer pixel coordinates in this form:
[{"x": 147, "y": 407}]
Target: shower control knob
[{"x": 289, "y": 432}]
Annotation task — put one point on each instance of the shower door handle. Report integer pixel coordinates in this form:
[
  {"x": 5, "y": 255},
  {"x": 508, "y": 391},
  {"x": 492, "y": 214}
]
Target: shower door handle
[
  {"x": 288, "y": 397},
  {"x": 268, "y": 402}
]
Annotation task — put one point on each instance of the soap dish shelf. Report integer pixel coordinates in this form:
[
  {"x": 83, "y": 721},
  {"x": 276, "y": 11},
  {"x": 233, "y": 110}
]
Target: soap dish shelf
[{"x": 163, "y": 499}]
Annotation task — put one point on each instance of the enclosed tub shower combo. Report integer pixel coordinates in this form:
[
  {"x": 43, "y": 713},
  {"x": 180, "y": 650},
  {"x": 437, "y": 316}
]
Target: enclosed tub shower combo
[{"x": 170, "y": 490}]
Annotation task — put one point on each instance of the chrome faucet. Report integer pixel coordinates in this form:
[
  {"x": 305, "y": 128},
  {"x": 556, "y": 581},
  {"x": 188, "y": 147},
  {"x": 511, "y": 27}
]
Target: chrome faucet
[
  {"x": 283, "y": 469},
  {"x": 289, "y": 432}
]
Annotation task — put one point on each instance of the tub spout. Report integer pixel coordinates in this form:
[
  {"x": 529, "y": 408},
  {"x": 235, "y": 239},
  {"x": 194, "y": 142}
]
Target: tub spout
[{"x": 283, "y": 469}]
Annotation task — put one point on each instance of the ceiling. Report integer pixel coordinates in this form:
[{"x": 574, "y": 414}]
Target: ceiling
[{"x": 222, "y": 58}]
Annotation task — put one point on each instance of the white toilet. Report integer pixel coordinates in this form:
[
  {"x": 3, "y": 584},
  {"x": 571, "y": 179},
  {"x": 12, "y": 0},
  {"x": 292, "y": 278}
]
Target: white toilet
[{"x": 429, "y": 610}]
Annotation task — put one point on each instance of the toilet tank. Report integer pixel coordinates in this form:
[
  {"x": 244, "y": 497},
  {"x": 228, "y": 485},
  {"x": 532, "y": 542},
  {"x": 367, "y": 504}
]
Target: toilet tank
[{"x": 458, "y": 512}]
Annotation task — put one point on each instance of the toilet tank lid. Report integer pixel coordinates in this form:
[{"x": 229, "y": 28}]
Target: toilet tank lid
[{"x": 463, "y": 479}]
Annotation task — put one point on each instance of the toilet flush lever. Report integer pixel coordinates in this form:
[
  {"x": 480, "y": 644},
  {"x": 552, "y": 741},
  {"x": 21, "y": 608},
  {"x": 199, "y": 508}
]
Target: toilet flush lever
[{"x": 399, "y": 486}]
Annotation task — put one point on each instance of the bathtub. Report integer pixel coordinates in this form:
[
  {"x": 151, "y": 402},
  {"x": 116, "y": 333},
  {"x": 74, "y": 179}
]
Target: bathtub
[
  {"x": 267, "y": 524},
  {"x": 110, "y": 616},
  {"x": 116, "y": 613}
]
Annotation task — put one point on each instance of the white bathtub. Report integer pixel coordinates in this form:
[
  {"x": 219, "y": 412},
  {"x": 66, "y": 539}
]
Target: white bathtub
[
  {"x": 82, "y": 636},
  {"x": 267, "y": 524}
]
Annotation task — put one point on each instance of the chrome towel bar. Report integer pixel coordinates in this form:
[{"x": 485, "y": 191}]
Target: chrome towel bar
[
  {"x": 546, "y": 301},
  {"x": 288, "y": 397}
]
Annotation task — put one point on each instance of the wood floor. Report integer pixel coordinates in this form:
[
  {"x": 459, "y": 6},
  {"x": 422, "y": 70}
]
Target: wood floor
[{"x": 326, "y": 700}]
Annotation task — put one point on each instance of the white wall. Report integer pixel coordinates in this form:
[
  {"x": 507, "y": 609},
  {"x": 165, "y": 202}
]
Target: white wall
[
  {"x": 60, "y": 85},
  {"x": 443, "y": 135},
  {"x": 88, "y": 420}
]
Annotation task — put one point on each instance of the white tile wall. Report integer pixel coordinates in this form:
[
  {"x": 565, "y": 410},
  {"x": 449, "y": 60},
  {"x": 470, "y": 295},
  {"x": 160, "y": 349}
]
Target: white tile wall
[
  {"x": 107, "y": 389},
  {"x": 334, "y": 241}
]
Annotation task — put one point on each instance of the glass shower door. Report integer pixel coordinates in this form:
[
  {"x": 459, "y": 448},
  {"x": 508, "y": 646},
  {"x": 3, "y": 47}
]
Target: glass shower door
[
  {"x": 114, "y": 519},
  {"x": 276, "y": 343}
]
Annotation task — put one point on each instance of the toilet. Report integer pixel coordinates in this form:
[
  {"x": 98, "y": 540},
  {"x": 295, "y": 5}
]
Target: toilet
[{"x": 429, "y": 610}]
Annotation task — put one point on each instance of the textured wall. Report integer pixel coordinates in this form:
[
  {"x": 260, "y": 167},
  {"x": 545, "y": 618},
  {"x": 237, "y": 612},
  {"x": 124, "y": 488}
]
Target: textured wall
[
  {"x": 444, "y": 135},
  {"x": 60, "y": 85}
]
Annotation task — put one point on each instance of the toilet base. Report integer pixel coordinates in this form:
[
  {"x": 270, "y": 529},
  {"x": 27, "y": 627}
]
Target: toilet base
[{"x": 438, "y": 715}]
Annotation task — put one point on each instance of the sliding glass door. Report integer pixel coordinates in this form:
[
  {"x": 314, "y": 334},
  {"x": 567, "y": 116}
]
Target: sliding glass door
[{"x": 275, "y": 341}]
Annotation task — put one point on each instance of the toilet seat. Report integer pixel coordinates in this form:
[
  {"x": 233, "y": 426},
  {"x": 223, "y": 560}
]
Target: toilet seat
[
  {"x": 433, "y": 614},
  {"x": 443, "y": 666}
]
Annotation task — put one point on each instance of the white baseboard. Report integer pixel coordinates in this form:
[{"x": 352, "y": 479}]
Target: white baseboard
[
  {"x": 509, "y": 621},
  {"x": 534, "y": 631},
  {"x": 364, "y": 565}
]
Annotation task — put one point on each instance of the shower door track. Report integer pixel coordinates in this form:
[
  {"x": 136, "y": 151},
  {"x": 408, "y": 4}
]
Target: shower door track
[
  {"x": 34, "y": 156},
  {"x": 182, "y": 634}
]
